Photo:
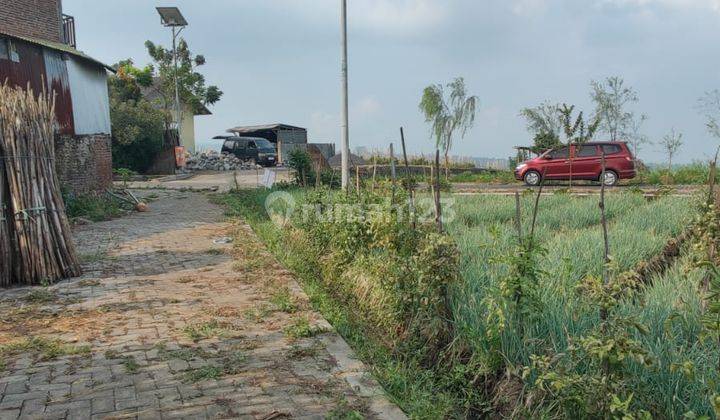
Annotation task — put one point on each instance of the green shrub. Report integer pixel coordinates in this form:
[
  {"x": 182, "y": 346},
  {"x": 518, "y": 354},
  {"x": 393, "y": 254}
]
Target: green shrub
[
  {"x": 95, "y": 207},
  {"x": 138, "y": 134},
  {"x": 301, "y": 162}
]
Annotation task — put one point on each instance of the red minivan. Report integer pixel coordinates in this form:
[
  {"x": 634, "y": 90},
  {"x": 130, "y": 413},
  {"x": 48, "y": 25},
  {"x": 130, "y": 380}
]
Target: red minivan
[{"x": 580, "y": 161}]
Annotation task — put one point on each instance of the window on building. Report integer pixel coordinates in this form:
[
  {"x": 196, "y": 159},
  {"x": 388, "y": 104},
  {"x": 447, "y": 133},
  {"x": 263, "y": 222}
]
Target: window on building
[
  {"x": 12, "y": 51},
  {"x": 4, "y": 49}
]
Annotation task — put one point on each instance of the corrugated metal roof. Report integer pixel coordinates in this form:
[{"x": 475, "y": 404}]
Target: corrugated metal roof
[
  {"x": 252, "y": 128},
  {"x": 59, "y": 47}
]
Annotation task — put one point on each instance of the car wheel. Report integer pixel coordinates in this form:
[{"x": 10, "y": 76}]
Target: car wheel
[
  {"x": 610, "y": 179},
  {"x": 532, "y": 178}
]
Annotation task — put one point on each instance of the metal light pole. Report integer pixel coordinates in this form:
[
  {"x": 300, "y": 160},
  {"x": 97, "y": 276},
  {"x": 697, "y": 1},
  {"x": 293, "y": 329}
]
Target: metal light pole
[
  {"x": 171, "y": 16},
  {"x": 178, "y": 112},
  {"x": 344, "y": 134}
]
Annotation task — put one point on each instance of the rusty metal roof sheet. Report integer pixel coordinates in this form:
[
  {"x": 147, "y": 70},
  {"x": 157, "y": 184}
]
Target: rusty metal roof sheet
[{"x": 59, "y": 47}]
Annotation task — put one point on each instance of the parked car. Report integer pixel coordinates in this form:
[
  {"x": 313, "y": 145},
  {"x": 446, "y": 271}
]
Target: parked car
[
  {"x": 580, "y": 161},
  {"x": 257, "y": 149}
]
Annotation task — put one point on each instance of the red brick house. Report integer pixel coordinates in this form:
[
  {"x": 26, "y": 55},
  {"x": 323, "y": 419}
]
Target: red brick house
[{"x": 38, "y": 49}]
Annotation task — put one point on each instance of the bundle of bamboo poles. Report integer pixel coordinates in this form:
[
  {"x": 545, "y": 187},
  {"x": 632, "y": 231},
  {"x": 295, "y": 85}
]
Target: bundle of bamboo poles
[{"x": 35, "y": 239}]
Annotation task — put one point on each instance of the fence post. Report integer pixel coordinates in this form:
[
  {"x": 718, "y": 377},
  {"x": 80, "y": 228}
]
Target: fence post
[
  {"x": 537, "y": 202},
  {"x": 438, "y": 209},
  {"x": 408, "y": 178},
  {"x": 392, "y": 173},
  {"x": 518, "y": 225},
  {"x": 357, "y": 179}
]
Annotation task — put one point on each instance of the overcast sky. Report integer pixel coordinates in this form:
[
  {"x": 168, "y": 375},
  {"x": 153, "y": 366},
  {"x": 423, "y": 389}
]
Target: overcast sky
[{"x": 279, "y": 61}]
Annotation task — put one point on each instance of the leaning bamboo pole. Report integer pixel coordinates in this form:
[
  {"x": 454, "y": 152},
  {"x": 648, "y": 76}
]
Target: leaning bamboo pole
[{"x": 37, "y": 227}]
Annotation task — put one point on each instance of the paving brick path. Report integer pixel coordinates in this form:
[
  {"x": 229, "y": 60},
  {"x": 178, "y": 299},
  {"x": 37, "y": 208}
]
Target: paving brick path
[{"x": 169, "y": 321}]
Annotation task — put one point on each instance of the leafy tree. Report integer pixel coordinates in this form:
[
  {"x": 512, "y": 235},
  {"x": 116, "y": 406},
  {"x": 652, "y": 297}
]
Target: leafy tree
[
  {"x": 634, "y": 135},
  {"x": 138, "y": 127},
  {"x": 579, "y": 131},
  {"x": 709, "y": 107},
  {"x": 545, "y": 123},
  {"x": 126, "y": 83},
  {"x": 671, "y": 142},
  {"x": 191, "y": 84},
  {"x": 448, "y": 115},
  {"x": 611, "y": 98}
]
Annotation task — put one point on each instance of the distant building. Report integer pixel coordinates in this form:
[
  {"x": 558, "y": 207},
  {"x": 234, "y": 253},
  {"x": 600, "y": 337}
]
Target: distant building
[
  {"x": 187, "y": 113},
  {"x": 38, "y": 49},
  {"x": 285, "y": 136}
]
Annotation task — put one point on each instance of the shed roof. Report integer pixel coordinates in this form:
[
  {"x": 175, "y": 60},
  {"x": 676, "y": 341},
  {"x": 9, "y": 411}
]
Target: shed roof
[
  {"x": 253, "y": 128},
  {"x": 59, "y": 47}
]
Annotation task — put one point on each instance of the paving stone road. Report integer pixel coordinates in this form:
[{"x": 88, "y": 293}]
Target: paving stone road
[{"x": 169, "y": 321}]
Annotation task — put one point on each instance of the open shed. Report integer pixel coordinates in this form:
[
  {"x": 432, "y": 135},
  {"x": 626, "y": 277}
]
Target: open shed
[{"x": 285, "y": 136}]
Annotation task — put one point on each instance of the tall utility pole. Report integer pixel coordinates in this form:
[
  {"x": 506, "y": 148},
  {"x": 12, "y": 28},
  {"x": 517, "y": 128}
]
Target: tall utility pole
[
  {"x": 344, "y": 134},
  {"x": 178, "y": 117},
  {"x": 171, "y": 16}
]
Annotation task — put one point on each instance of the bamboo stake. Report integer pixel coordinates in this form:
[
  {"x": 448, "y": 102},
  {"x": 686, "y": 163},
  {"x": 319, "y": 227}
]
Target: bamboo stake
[
  {"x": 518, "y": 226},
  {"x": 438, "y": 209},
  {"x": 535, "y": 208},
  {"x": 606, "y": 253},
  {"x": 411, "y": 192},
  {"x": 372, "y": 188},
  {"x": 392, "y": 173}
]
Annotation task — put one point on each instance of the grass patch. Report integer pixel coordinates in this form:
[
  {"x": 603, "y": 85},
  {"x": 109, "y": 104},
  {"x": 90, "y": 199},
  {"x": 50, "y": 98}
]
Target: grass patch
[
  {"x": 205, "y": 330},
  {"x": 298, "y": 352},
  {"x": 257, "y": 314},
  {"x": 419, "y": 391},
  {"x": 301, "y": 328},
  {"x": 284, "y": 301},
  {"x": 215, "y": 251},
  {"x": 93, "y": 207},
  {"x": 43, "y": 348},
  {"x": 93, "y": 257},
  {"x": 41, "y": 296},
  {"x": 185, "y": 353},
  {"x": 131, "y": 365},
  {"x": 230, "y": 364},
  {"x": 203, "y": 373}
]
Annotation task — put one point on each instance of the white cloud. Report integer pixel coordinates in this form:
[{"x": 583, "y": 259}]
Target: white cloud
[
  {"x": 527, "y": 7},
  {"x": 366, "y": 107},
  {"x": 385, "y": 17},
  {"x": 680, "y": 4},
  {"x": 399, "y": 17}
]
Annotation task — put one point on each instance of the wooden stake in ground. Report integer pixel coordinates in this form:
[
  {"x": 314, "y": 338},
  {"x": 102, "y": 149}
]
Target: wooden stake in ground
[
  {"x": 393, "y": 174},
  {"x": 711, "y": 249},
  {"x": 408, "y": 179},
  {"x": 537, "y": 202},
  {"x": 357, "y": 179},
  {"x": 518, "y": 225},
  {"x": 372, "y": 188},
  {"x": 438, "y": 209},
  {"x": 606, "y": 251}
]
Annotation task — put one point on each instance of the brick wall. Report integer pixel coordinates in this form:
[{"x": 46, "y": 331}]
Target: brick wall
[
  {"x": 32, "y": 18},
  {"x": 84, "y": 163}
]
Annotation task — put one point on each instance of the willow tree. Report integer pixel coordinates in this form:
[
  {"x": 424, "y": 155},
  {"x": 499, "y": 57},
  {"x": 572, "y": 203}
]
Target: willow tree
[{"x": 448, "y": 114}]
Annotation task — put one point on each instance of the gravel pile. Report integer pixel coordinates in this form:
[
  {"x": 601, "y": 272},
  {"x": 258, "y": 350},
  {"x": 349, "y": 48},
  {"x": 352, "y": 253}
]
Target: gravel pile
[{"x": 216, "y": 161}]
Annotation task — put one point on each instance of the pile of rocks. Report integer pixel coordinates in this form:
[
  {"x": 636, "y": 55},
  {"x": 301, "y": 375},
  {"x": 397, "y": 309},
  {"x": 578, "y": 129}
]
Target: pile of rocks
[{"x": 216, "y": 161}]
